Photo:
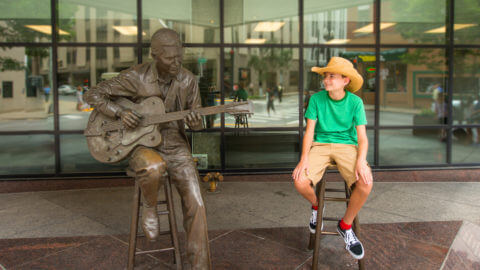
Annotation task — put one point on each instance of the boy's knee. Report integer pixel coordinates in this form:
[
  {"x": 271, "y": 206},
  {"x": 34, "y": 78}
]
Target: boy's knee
[
  {"x": 363, "y": 188},
  {"x": 302, "y": 185}
]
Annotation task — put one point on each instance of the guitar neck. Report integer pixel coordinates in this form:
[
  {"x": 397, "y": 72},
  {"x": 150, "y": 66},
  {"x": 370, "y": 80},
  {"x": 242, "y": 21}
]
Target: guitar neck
[{"x": 174, "y": 116}]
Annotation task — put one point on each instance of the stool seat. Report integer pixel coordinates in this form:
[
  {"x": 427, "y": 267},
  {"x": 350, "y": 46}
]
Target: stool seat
[
  {"x": 170, "y": 212},
  {"x": 314, "y": 242}
]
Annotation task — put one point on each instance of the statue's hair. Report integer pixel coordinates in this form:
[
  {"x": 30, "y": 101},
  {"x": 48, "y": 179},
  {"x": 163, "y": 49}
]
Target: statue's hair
[{"x": 166, "y": 37}]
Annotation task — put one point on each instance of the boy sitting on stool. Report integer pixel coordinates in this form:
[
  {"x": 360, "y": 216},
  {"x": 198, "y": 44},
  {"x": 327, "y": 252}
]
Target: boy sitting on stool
[{"x": 336, "y": 132}]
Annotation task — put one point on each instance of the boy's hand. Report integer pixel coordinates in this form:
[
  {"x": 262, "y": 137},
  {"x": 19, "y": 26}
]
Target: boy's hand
[
  {"x": 301, "y": 167},
  {"x": 363, "y": 172}
]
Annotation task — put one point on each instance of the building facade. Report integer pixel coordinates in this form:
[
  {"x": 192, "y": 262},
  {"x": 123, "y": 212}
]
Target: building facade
[{"x": 420, "y": 62}]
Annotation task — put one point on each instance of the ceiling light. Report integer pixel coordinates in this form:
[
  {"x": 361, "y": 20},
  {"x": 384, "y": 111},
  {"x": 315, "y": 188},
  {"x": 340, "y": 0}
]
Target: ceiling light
[
  {"x": 255, "y": 41},
  {"x": 456, "y": 26},
  {"x": 127, "y": 30},
  {"x": 337, "y": 41},
  {"x": 268, "y": 26},
  {"x": 46, "y": 29},
  {"x": 369, "y": 28}
]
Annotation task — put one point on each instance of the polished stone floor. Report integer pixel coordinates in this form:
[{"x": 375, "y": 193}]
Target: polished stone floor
[{"x": 253, "y": 225}]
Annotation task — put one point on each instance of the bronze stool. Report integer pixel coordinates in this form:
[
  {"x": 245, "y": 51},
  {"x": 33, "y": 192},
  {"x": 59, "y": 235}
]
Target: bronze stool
[
  {"x": 320, "y": 190},
  {"x": 171, "y": 220}
]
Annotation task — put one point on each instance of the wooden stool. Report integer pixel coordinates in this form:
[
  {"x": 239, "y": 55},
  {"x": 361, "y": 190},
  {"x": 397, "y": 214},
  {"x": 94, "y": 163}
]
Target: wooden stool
[
  {"x": 171, "y": 220},
  {"x": 314, "y": 242}
]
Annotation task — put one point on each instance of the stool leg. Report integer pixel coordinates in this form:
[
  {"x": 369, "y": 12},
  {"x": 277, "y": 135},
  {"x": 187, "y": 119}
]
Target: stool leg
[
  {"x": 133, "y": 227},
  {"x": 318, "y": 230},
  {"x": 172, "y": 222},
  {"x": 355, "y": 225}
]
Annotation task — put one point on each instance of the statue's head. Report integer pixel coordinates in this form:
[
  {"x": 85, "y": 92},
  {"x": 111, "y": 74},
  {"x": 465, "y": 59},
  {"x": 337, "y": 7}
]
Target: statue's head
[{"x": 166, "y": 50}]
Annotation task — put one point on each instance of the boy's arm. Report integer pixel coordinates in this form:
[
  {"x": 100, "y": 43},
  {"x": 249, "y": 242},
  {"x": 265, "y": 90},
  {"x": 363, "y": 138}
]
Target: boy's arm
[
  {"x": 362, "y": 171},
  {"x": 307, "y": 144}
]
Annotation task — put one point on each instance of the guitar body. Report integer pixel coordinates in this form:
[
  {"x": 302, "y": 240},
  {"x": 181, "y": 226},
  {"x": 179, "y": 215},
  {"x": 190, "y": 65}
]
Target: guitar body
[{"x": 114, "y": 146}]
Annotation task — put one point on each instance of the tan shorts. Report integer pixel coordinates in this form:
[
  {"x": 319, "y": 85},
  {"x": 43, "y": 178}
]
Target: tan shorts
[{"x": 323, "y": 154}]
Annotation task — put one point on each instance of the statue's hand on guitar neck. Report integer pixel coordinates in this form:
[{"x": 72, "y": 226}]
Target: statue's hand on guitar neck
[
  {"x": 194, "y": 120},
  {"x": 130, "y": 118}
]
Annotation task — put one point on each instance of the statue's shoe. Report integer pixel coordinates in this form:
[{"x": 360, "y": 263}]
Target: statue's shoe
[{"x": 150, "y": 223}]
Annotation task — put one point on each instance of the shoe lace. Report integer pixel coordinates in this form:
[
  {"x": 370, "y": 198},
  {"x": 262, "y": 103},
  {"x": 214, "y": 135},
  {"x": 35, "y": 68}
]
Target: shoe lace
[{"x": 350, "y": 238}]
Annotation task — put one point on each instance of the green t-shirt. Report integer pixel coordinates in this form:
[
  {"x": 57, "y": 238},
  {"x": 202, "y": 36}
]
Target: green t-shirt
[{"x": 336, "y": 119}]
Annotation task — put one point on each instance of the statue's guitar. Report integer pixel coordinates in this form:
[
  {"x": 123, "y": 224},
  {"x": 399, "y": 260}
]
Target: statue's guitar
[{"x": 109, "y": 141}]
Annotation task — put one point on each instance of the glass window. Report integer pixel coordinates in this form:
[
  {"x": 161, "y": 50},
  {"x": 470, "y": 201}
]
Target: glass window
[
  {"x": 26, "y": 102},
  {"x": 371, "y": 147},
  {"x": 263, "y": 76},
  {"x": 87, "y": 67},
  {"x": 413, "y": 87},
  {"x": 467, "y": 18},
  {"x": 25, "y": 21},
  {"x": 261, "y": 150},
  {"x": 465, "y": 145},
  {"x": 97, "y": 21},
  {"x": 75, "y": 157},
  {"x": 362, "y": 59},
  {"x": 338, "y": 22},
  {"x": 411, "y": 147},
  {"x": 413, "y": 22},
  {"x": 206, "y": 148},
  {"x": 260, "y": 22},
  {"x": 196, "y": 21},
  {"x": 466, "y": 87},
  {"x": 27, "y": 154}
]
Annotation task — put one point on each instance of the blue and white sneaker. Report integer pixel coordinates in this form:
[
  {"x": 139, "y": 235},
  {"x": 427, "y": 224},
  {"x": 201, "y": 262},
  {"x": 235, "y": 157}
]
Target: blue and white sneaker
[{"x": 353, "y": 245}]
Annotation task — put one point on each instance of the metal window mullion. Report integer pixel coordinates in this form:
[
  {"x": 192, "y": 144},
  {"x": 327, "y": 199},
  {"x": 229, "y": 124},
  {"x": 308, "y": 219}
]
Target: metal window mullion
[
  {"x": 451, "y": 55},
  {"x": 222, "y": 86},
  {"x": 54, "y": 86},
  {"x": 139, "y": 32},
  {"x": 376, "y": 132},
  {"x": 301, "y": 77}
]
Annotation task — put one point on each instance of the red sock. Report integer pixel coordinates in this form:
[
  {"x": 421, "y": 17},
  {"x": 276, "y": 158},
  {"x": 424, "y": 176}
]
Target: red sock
[
  {"x": 344, "y": 226},
  {"x": 315, "y": 207}
]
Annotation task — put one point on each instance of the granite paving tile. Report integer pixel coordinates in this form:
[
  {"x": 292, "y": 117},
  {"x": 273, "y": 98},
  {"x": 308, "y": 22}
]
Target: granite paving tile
[
  {"x": 18, "y": 251},
  {"x": 240, "y": 250},
  {"x": 465, "y": 250},
  {"x": 100, "y": 253}
]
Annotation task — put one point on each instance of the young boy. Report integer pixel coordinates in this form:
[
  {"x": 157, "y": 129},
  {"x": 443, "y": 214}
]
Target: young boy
[{"x": 336, "y": 132}]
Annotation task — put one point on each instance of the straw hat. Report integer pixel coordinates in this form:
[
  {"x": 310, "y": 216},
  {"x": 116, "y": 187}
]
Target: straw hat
[{"x": 342, "y": 66}]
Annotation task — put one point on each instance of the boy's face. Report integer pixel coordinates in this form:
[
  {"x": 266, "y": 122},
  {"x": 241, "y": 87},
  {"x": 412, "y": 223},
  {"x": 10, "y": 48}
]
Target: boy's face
[{"x": 334, "y": 81}]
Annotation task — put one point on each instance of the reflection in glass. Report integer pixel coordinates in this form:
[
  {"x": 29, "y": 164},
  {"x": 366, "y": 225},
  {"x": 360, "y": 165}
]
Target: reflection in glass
[
  {"x": 338, "y": 22},
  {"x": 467, "y": 22},
  {"x": 25, "y": 21},
  {"x": 206, "y": 148},
  {"x": 411, "y": 147},
  {"x": 465, "y": 145},
  {"x": 362, "y": 59},
  {"x": 466, "y": 87},
  {"x": 260, "y": 22},
  {"x": 98, "y": 21},
  {"x": 414, "y": 22},
  {"x": 196, "y": 21},
  {"x": 75, "y": 157},
  {"x": 27, "y": 154},
  {"x": 413, "y": 87},
  {"x": 261, "y": 150},
  {"x": 26, "y": 99},
  {"x": 80, "y": 68},
  {"x": 371, "y": 147},
  {"x": 269, "y": 78},
  {"x": 204, "y": 63}
]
